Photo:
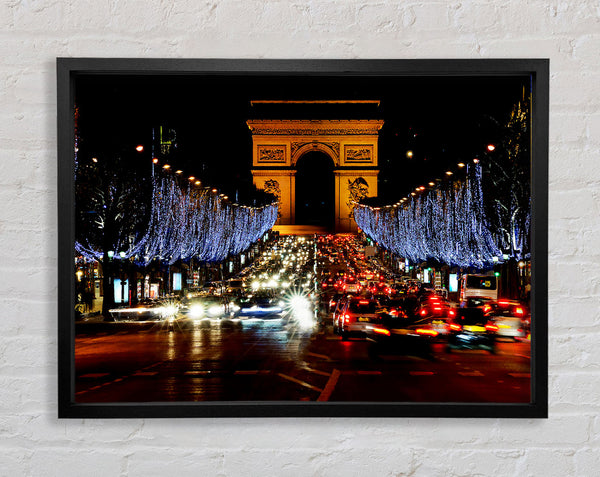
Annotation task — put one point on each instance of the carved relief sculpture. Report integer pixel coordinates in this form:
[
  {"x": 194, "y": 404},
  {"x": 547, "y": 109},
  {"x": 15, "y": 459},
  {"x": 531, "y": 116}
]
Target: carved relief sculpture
[
  {"x": 358, "y": 189},
  {"x": 272, "y": 187},
  {"x": 271, "y": 154},
  {"x": 359, "y": 153}
]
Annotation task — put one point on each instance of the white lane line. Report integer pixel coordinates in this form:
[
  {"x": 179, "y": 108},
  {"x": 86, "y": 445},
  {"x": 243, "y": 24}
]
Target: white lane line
[
  {"x": 470, "y": 373},
  {"x": 520, "y": 375},
  {"x": 322, "y": 356},
  {"x": 316, "y": 371},
  {"x": 93, "y": 375},
  {"x": 330, "y": 386},
  {"x": 197, "y": 373},
  {"x": 301, "y": 383},
  {"x": 421, "y": 373}
]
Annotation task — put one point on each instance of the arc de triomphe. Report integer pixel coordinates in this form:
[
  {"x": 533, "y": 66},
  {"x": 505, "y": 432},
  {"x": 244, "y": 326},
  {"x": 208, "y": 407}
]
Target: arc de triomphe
[{"x": 277, "y": 145}]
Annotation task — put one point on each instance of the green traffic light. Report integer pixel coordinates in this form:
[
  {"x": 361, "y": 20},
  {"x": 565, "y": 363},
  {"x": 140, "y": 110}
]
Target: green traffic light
[{"x": 497, "y": 274}]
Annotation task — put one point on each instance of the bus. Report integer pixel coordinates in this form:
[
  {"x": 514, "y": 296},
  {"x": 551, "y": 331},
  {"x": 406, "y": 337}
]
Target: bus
[{"x": 481, "y": 286}]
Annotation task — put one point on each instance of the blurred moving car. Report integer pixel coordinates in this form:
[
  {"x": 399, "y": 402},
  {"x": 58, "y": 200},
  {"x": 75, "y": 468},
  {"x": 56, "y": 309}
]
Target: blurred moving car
[
  {"x": 433, "y": 306},
  {"x": 261, "y": 304},
  {"x": 207, "y": 306},
  {"x": 145, "y": 310},
  {"x": 511, "y": 317},
  {"x": 471, "y": 329},
  {"x": 391, "y": 335},
  {"x": 355, "y": 315}
]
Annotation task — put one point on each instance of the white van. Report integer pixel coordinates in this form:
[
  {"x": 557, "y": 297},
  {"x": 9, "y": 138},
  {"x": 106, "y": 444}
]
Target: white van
[{"x": 481, "y": 286}]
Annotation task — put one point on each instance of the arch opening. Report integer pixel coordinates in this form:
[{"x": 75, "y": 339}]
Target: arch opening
[{"x": 315, "y": 190}]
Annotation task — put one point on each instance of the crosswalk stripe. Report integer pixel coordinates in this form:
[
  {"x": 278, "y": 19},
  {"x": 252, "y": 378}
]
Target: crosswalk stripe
[{"x": 301, "y": 383}]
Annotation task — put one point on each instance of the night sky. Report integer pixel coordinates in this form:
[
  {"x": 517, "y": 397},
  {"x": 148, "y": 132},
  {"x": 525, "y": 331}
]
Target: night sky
[{"x": 443, "y": 120}]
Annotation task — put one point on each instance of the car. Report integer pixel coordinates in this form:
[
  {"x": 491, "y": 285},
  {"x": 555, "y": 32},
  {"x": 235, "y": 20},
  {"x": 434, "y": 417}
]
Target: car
[
  {"x": 338, "y": 307},
  {"x": 355, "y": 315},
  {"x": 392, "y": 335},
  {"x": 433, "y": 306},
  {"x": 350, "y": 285},
  {"x": 471, "y": 329},
  {"x": 145, "y": 310},
  {"x": 332, "y": 302},
  {"x": 393, "y": 306},
  {"x": 261, "y": 304},
  {"x": 207, "y": 307},
  {"x": 328, "y": 283},
  {"x": 511, "y": 317}
]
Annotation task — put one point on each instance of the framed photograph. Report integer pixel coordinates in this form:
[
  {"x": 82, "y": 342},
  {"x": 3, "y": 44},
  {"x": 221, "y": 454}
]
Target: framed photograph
[{"x": 290, "y": 238}]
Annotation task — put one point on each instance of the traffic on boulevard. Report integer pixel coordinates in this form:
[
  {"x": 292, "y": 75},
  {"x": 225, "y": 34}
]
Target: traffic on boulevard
[{"x": 312, "y": 318}]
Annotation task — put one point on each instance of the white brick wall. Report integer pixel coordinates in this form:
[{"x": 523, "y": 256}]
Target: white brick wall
[{"x": 33, "y": 33}]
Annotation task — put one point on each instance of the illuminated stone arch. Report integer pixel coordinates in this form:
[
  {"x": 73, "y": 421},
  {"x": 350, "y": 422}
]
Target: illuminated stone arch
[{"x": 277, "y": 145}]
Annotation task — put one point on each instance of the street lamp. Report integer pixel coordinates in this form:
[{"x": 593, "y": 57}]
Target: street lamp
[
  {"x": 139, "y": 148},
  {"x": 491, "y": 147}
]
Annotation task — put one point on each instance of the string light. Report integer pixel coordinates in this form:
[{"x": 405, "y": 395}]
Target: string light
[
  {"x": 188, "y": 222},
  {"x": 448, "y": 225}
]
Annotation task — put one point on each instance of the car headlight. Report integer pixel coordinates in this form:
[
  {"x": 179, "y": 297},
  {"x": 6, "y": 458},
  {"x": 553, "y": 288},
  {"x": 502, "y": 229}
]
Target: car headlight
[
  {"x": 196, "y": 311},
  {"x": 215, "y": 310},
  {"x": 169, "y": 310}
]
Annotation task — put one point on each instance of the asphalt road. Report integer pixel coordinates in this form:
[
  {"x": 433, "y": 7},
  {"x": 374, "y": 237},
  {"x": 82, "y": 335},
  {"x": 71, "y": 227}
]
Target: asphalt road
[{"x": 276, "y": 360}]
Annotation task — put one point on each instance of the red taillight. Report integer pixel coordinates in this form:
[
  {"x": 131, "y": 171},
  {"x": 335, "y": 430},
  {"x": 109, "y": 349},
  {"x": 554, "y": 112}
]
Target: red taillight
[
  {"x": 451, "y": 313},
  {"x": 491, "y": 327},
  {"x": 424, "y": 331},
  {"x": 423, "y": 312},
  {"x": 382, "y": 331},
  {"x": 347, "y": 318},
  {"x": 519, "y": 311},
  {"x": 486, "y": 308},
  {"x": 364, "y": 302},
  {"x": 503, "y": 302},
  {"x": 394, "y": 312},
  {"x": 437, "y": 308},
  {"x": 455, "y": 327},
  {"x": 324, "y": 285},
  {"x": 344, "y": 287},
  {"x": 387, "y": 290}
]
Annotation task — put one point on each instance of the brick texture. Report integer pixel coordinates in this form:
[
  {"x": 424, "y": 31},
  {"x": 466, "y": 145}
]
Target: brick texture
[{"x": 33, "y": 442}]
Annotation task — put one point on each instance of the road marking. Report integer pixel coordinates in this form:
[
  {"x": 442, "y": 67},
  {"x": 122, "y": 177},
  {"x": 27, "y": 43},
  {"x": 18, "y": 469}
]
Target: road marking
[
  {"x": 316, "y": 371},
  {"x": 93, "y": 375},
  {"x": 330, "y": 386},
  {"x": 322, "y": 356},
  {"x": 196, "y": 373},
  {"x": 153, "y": 365},
  {"x": 301, "y": 383},
  {"x": 145, "y": 373},
  {"x": 470, "y": 373},
  {"x": 520, "y": 375},
  {"x": 421, "y": 373},
  {"x": 368, "y": 372}
]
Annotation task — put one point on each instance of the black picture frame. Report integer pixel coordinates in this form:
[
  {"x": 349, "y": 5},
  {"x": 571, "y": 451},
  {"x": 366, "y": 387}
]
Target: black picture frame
[{"x": 70, "y": 68}]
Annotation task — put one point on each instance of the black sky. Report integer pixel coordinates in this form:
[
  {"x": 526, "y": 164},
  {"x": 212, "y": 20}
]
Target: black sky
[{"x": 444, "y": 120}]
